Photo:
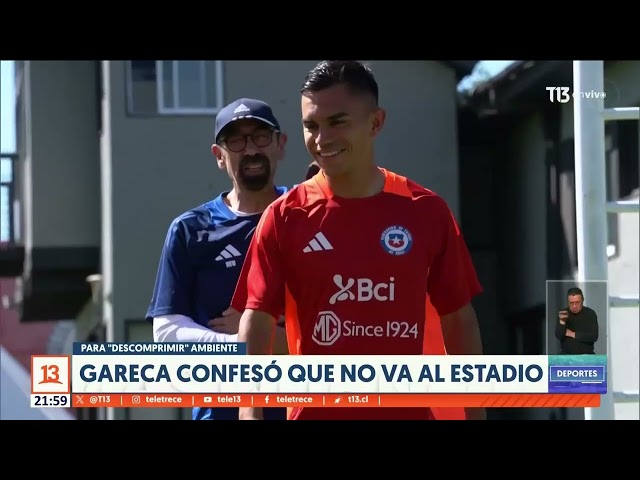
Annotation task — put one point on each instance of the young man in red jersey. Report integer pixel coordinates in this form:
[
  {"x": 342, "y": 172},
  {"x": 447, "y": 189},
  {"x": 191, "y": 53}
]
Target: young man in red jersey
[{"x": 356, "y": 245}]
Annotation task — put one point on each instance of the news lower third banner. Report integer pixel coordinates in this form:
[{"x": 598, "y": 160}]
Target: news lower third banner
[{"x": 213, "y": 375}]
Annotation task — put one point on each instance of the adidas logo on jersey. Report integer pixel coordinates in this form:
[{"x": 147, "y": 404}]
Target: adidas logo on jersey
[
  {"x": 227, "y": 255},
  {"x": 318, "y": 244}
]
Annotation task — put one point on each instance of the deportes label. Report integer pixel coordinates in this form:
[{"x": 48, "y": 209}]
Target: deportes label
[{"x": 578, "y": 374}]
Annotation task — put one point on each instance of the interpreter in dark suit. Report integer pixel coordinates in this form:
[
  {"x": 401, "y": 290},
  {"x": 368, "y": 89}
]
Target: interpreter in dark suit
[{"x": 577, "y": 326}]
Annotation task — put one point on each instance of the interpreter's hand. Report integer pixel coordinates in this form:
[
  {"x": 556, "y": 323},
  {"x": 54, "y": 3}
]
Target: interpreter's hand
[
  {"x": 562, "y": 316},
  {"x": 570, "y": 333},
  {"x": 228, "y": 323}
]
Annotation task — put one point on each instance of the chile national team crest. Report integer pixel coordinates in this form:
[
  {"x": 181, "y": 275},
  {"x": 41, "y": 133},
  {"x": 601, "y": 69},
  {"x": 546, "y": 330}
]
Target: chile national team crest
[{"x": 396, "y": 240}]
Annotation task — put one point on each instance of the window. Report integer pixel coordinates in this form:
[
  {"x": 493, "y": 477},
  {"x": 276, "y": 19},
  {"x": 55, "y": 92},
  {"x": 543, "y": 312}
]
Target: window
[
  {"x": 9, "y": 232},
  {"x": 174, "y": 87}
]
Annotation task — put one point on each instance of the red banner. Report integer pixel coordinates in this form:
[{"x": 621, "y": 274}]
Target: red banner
[{"x": 408, "y": 400}]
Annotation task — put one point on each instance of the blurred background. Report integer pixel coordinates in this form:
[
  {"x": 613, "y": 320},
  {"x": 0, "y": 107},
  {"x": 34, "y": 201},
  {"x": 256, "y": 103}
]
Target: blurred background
[{"x": 99, "y": 156}]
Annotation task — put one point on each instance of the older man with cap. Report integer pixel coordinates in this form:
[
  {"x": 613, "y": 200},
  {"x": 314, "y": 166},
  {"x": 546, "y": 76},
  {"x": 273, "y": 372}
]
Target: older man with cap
[{"x": 205, "y": 247}]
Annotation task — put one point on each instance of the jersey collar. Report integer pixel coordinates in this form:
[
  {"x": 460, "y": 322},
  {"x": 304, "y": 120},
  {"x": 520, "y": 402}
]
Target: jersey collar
[{"x": 393, "y": 183}]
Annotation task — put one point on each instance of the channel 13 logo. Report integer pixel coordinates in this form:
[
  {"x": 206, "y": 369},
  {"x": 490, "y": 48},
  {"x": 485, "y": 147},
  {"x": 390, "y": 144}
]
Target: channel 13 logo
[{"x": 51, "y": 374}]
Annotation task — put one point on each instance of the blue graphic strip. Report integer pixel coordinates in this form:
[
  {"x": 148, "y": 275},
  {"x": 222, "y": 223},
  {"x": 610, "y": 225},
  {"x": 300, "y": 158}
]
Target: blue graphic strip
[
  {"x": 577, "y": 387},
  {"x": 578, "y": 374}
]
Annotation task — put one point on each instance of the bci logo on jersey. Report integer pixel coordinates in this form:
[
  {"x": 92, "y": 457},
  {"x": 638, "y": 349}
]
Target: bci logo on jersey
[
  {"x": 362, "y": 290},
  {"x": 396, "y": 240}
]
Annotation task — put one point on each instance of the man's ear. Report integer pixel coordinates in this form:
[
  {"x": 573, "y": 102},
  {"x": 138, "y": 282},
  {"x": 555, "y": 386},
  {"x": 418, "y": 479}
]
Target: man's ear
[
  {"x": 217, "y": 152},
  {"x": 377, "y": 122},
  {"x": 283, "y": 140}
]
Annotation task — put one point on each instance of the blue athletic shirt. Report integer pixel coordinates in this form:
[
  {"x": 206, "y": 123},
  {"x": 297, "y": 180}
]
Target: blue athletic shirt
[{"x": 199, "y": 267}]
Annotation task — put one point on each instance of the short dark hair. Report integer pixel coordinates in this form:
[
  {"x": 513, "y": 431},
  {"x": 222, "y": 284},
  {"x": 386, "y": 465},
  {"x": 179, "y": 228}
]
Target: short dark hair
[
  {"x": 575, "y": 291},
  {"x": 356, "y": 75}
]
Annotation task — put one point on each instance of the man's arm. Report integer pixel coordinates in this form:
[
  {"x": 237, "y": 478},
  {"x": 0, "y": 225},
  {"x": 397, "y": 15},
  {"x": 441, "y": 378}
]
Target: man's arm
[
  {"x": 180, "y": 328},
  {"x": 260, "y": 294},
  {"x": 257, "y": 331},
  {"x": 462, "y": 320},
  {"x": 170, "y": 309},
  {"x": 280, "y": 344},
  {"x": 561, "y": 329},
  {"x": 461, "y": 334},
  {"x": 587, "y": 331},
  {"x": 452, "y": 284}
]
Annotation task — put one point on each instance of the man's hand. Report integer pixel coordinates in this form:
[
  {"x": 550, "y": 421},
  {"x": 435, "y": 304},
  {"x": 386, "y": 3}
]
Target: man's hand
[
  {"x": 229, "y": 322},
  {"x": 570, "y": 333},
  {"x": 562, "y": 316}
]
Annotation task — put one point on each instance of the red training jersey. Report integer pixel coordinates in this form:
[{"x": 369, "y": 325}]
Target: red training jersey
[{"x": 364, "y": 276}]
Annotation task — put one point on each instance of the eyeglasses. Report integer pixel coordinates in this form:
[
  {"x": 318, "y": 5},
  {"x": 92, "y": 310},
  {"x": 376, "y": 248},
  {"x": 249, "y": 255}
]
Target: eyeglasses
[{"x": 237, "y": 143}]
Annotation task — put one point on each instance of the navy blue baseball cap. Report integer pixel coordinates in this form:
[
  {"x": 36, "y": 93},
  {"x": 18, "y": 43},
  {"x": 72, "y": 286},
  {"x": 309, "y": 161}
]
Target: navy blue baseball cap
[{"x": 245, "y": 108}]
